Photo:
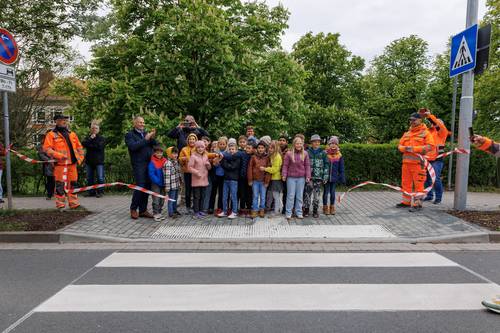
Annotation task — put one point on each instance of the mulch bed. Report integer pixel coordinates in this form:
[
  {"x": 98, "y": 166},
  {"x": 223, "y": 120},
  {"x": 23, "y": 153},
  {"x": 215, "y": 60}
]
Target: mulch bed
[
  {"x": 38, "y": 220},
  {"x": 489, "y": 220}
]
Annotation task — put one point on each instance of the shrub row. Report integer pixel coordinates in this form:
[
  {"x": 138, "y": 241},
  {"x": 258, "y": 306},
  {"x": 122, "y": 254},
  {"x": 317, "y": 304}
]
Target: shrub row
[{"x": 376, "y": 162}]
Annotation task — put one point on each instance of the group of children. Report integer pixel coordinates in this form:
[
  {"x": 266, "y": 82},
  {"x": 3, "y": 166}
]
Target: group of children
[{"x": 248, "y": 176}]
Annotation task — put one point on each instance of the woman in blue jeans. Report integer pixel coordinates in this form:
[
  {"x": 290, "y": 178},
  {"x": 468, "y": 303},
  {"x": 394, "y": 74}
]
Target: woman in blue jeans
[{"x": 296, "y": 172}]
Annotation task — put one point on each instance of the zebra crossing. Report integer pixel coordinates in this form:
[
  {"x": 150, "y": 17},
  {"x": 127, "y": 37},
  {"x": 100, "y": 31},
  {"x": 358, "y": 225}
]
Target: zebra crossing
[{"x": 226, "y": 282}]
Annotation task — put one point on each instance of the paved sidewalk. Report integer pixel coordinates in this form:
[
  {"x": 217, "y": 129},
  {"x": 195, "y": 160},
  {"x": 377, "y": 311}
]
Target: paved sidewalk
[{"x": 369, "y": 216}]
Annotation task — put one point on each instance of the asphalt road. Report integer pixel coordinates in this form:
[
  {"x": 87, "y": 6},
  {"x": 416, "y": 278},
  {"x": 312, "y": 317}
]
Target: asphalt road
[{"x": 102, "y": 291}]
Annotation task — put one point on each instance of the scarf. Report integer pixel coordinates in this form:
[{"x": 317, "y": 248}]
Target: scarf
[{"x": 333, "y": 155}]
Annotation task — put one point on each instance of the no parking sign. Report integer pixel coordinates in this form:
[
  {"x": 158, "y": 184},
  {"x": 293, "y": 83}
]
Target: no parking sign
[{"x": 8, "y": 48}]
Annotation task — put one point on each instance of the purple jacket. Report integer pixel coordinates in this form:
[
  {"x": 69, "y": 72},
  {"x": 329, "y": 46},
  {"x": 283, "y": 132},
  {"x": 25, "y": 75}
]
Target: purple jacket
[{"x": 297, "y": 168}]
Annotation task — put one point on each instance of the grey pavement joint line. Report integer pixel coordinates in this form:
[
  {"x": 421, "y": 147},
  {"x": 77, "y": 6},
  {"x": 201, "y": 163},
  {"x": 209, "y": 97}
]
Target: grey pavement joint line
[{"x": 30, "y": 313}]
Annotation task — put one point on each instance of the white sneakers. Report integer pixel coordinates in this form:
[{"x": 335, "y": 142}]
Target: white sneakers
[
  {"x": 231, "y": 216},
  {"x": 158, "y": 217}
]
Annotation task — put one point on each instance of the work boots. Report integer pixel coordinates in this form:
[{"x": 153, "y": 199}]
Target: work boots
[
  {"x": 262, "y": 213},
  {"x": 326, "y": 210},
  {"x": 332, "y": 209}
]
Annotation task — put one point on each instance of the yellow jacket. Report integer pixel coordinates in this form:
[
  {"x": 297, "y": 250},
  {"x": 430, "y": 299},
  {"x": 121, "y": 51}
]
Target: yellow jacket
[{"x": 275, "y": 168}]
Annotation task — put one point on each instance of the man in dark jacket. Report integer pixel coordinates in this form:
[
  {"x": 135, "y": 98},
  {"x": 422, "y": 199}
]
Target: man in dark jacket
[
  {"x": 48, "y": 170},
  {"x": 140, "y": 147},
  {"x": 94, "y": 158},
  {"x": 181, "y": 132}
]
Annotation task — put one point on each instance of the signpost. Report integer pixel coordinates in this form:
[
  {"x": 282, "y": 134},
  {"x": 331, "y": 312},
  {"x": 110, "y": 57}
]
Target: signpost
[
  {"x": 9, "y": 53},
  {"x": 463, "y": 60}
]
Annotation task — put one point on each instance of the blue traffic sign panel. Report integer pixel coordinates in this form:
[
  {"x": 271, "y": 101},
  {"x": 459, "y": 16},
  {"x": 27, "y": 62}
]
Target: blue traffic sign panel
[
  {"x": 463, "y": 51},
  {"x": 8, "y": 48}
]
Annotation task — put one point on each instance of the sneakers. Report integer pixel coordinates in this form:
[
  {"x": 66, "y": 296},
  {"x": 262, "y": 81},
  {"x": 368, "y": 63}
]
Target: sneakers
[
  {"x": 402, "y": 205},
  {"x": 221, "y": 214},
  {"x": 437, "y": 202},
  {"x": 428, "y": 199},
  {"x": 232, "y": 216},
  {"x": 157, "y": 217},
  {"x": 306, "y": 212},
  {"x": 262, "y": 213},
  {"x": 300, "y": 217},
  {"x": 493, "y": 304},
  {"x": 315, "y": 214}
]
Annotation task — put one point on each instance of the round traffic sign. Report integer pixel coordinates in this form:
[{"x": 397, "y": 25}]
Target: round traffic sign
[{"x": 8, "y": 48}]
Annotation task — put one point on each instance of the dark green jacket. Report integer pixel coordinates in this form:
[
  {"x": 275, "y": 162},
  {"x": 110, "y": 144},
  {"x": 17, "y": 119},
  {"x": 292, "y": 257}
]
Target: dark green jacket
[{"x": 319, "y": 164}]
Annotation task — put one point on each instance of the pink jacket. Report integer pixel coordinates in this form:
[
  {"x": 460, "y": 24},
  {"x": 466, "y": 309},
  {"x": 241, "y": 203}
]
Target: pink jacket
[{"x": 198, "y": 166}]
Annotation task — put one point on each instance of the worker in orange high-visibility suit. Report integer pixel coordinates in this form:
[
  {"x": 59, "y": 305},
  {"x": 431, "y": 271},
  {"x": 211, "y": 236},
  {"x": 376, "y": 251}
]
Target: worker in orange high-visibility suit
[
  {"x": 439, "y": 133},
  {"x": 418, "y": 140},
  {"x": 64, "y": 146}
]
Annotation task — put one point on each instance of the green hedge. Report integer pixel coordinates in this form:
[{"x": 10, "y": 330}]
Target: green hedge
[{"x": 377, "y": 162}]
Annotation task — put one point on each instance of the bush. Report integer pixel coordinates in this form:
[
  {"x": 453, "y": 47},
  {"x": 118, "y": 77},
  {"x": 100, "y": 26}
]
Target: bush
[{"x": 376, "y": 162}]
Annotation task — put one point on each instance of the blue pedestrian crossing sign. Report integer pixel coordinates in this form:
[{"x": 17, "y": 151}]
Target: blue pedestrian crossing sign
[{"x": 463, "y": 51}]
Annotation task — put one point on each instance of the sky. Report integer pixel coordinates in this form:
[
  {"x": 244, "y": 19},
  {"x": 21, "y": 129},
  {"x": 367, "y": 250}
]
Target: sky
[{"x": 367, "y": 26}]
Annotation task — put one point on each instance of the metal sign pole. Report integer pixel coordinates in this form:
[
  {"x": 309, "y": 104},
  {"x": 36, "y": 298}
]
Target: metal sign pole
[
  {"x": 8, "y": 176},
  {"x": 464, "y": 122},
  {"x": 452, "y": 138}
]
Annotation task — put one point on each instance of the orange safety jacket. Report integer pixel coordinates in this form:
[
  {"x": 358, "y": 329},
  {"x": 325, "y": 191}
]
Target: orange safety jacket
[
  {"x": 56, "y": 147},
  {"x": 490, "y": 147},
  {"x": 439, "y": 132},
  {"x": 421, "y": 142}
]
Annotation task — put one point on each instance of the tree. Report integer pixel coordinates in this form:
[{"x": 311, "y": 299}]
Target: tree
[
  {"x": 218, "y": 60},
  {"x": 395, "y": 85},
  {"x": 334, "y": 74},
  {"x": 42, "y": 29},
  {"x": 349, "y": 125},
  {"x": 487, "y": 88}
]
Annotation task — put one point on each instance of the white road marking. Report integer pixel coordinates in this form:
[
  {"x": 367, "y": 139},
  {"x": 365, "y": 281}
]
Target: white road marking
[
  {"x": 409, "y": 259},
  {"x": 270, "y": 297}
]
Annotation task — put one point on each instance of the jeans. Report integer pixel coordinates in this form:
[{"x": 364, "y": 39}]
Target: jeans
[
  {"x": 172, "y": 205},
  {"x": 157, "y": 201},
  {"x": 329, "y": 189},
  {"x": 438, "y": 184},
  {"x": 258, "y": 192},
  {"x": 295, "y": 194},
  {"x": 93, "y": 170},
  {"x": 1, "y": 189},
  {"x": 230, "y": 186}
]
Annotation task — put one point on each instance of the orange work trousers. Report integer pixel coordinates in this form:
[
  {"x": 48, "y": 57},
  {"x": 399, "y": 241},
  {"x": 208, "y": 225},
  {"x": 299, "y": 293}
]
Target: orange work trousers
[
  {"x": 61, "y": 195},
  {"x": 413, "y": 177}
]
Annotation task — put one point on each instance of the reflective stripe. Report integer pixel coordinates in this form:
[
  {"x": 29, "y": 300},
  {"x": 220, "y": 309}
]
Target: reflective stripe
[{"x": 411, "y": 157}]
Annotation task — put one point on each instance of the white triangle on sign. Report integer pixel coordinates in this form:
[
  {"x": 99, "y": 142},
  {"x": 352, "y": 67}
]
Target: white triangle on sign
[{"x": 463, "y": 57}]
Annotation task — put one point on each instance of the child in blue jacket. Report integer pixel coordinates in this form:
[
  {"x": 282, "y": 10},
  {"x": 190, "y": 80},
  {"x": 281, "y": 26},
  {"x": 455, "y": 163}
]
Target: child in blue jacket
[
  {"x": 336, "y": 174},
  {"x": 155, "y": 169}
]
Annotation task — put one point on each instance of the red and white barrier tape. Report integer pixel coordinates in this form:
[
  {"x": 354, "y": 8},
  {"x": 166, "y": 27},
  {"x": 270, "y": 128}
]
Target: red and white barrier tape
[
  {"x": 86, "y": 188},
  {"x": 427, "y": 165},
  {"x": 28, "y": 159},
  {"x": 131, "y": 186}
]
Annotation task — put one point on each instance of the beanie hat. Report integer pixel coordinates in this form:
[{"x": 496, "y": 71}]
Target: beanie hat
[
  {"x": 252, "y": 141},
  {"x": 199, "y": 144},
  {"x": 266, "y": 139},
  {"x": 333, "y": 140},
  {"x": 315, "y": 137},
  {"x": 231, "y": 141}
]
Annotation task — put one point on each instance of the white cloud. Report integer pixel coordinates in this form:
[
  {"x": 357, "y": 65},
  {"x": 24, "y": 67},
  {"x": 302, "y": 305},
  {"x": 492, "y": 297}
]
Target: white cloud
[{"x": 367, "y": 26}]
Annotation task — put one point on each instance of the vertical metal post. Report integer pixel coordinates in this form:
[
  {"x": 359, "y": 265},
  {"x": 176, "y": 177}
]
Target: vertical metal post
[
  {"x": 6, "y": 132},
  {"x": 464, "y": 122},
  {"x": 452, "y": 138}
]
